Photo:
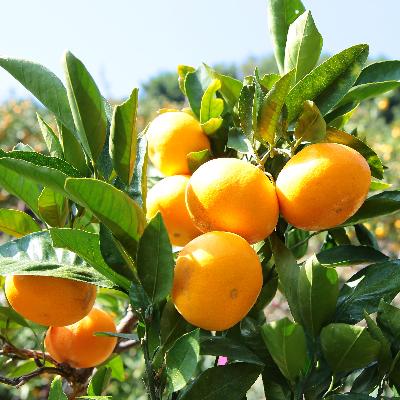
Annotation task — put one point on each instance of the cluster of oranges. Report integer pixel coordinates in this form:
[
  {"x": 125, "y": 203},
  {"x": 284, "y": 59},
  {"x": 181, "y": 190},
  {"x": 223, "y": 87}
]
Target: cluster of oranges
[{"x": 229, "y": 204}]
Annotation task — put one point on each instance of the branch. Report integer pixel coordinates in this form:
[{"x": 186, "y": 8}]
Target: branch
[{"x": 21, "y": 380}]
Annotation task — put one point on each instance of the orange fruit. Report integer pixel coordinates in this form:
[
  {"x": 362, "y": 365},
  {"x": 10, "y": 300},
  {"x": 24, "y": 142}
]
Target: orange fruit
[
  {"x": 171, "y": 136},
  {"x": 49, "y": 301},
  {"x": 232, "y": 195},
  {"x": 168, "y": 197},
  {"x": 77, "y": 344},
  {"x": 217, "y": 280},
  {"x": 322, "y": 186}
]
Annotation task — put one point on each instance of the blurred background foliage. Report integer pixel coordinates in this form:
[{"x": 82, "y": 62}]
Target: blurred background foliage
[{"x": 377, "y": 121}]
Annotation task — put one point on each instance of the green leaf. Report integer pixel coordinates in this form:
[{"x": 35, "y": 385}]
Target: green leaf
[
  {"x": 238, "y": 141},
  {"x": 155, "y": 262},
  {"x": 182, "y": 359},
  {"x": 339, "y": 117},
  {"x": 183, "y": 70},
  {"x": 212, "y": 125},
  {"x": 286, "y": 342},
  {"x": 365, "y": 236},
  {"x": 17, "y": 223},
  {"x": 139, "y": 299},
  {"x": 271, "y": 108},
  {"x": 366, "y": 288},
  {"x": 231, "y": 382},
  {"x": 123, "y": 137},
  {"x": 281, "y": 14},
  {"x": 52, "y": 142},
  {"x": 44, "y": 170},
  {"x": 111, "y": 206},
  {"x": 211, "y": 106},
  {"x": 346, "y": 255},
  {"x": 378, "y": 186},
  {"x": 44, "y": 85},
  {"x": 348, "y": 347},
  {"x": 350, "y": 396},
  {"x": 86, "y": 106},
  {"x": 337, "y": 136},
  {"x": 318, "y": 291},
  {"x": 245, "y": 110},
  {"x": 378, "y": 205},
  {"x": 99, "y": 381},
  {"x": 380, "y": 72},
  {"x": 87, "y": 246},
  {"x": 196, "y": 83},
  {"x": 303, "y": 46},
  {"x": 228, "y": 347},
  {"x": 34, "y": 254},
  {"x": 117, "y": 368},
  {"x": 293, "y": 238},
  {"x": 269, "y": 80},
  {"x": 328, "y": 83},
  {"x": 8, "y": 313},
  {"x": 310, "y": 126},
  {"x": 197, "y": 158},
  {"x": 53, "y": 207},
  {"x": 56, "y": 391},
  {"x": 388, "y": 319}
]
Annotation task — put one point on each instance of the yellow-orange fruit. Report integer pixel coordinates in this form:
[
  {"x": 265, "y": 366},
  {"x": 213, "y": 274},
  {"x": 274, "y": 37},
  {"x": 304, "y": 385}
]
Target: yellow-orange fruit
[
  {"x": 232, "y": 195},
  {"x": 50, "y": 301},
  {"x": 77, "y": 344},
  {"x": 168, "y": 197},
  {"x": 217, "y": 280},
  {"x": 322, "y": 186},
  {"x": 171, "y": 137}
]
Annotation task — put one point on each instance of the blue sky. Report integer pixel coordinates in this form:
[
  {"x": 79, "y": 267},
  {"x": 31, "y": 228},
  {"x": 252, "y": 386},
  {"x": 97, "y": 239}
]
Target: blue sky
[{"x": 125, "y": 42}]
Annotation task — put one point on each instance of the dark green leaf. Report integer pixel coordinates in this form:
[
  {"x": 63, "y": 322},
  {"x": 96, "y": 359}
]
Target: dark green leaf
[
  {"x": 155, "y": 262},
  {"x": 303, "y": 46},
  {"x": 225, "y": 382},
  {"x": 53, "y": 207},
  {"x": 388, "y": 319},
  {"x": 245, "y": 110},
  {"x": 139, "y": 299},
  {"x": 238, "y": 141},
  {"x": 293, "y": 239},
  {"x": 52, "y": 142},
  {"x": 86, "y": 106},
  {"x": 123, "y": 138},
  {"x": 348, "y": 347},
  {"x": 17, "y": 223},
  {"x": 380, "y": 72},
  {"x": 310, "y": 126},
  {"x": 56, "y": 391},
  {"x": 365, "y": 236},
  {"x": 197, "y": 158}
]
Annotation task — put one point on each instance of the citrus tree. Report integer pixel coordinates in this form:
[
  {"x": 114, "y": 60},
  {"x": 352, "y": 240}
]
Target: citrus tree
[{"x": 254, "y": 170}]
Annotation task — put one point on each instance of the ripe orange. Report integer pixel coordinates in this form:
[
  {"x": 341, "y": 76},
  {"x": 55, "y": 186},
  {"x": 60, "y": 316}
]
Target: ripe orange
[
  {"x": 232, "y": 195},
  {"x": 171, "y": 136},
  {"x": 322, "y": 186},
  {"x": 217, "y": 280},
  {"x": 168, "y": 197},
  {"x": 49, "y": 301},
  {"x": 77, "y": 344}
]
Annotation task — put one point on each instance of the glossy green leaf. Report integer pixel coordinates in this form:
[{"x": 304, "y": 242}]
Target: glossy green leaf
[
  {"x": 348, "y": 347},
  {"x": 380, "y": 71},
  {"x": 182, "y": 360},
  {"x": 286, "y": 342},
  {"x": 86, "y": 105},
  {"x": 281, "y": 14},
  {"x": 51, "y": 139},
  {"x": 293, "y": 239},
  {"x": 211, "y": 106},
  {"x": 197, "y": 158},
  {"x": 123, "y": 137},
  {"x": 310, "y": 126},
  {"x": 43, "y": 84},
  {"x": 99, "y": 381},
  {"x": 34, "y": 254},
  {"x": 346, "y": 255},
  {"x": 111, "y": 206},
  {"x": 155, "y": 262},
  {"x": 56, "y": 391},
  {"x": 318, "y": 291},
  {"x": 365, "y": 236},
  {"x": 17, "y": 223},
  {"x": 303, "y": 46},
  {"x": 378, "y": 205},
  {"x": 339, "y": 117},
  {"x": 269, "y": 80},
  {"x": 365, "y": 289},
  {"x": 271, "y": 108},
  {"x": 388, "y": 319},
  {"x": 53, "y": 207},
  {"x": 337, "y": 136},
  {"x": 328, "y": 83},
  {"x": 231, "y": 382},
  {"x": 196, "y": 83}
]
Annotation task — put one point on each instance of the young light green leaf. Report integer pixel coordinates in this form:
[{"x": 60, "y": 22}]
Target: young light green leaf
[
  {"x": 212, "y": 125},
  {"x": 303, "y": 46},
  {"x": 271, "y": 108},
  {"x": 99, "y": 381},
  {"x": 123, "y": 138},
  {"x": 197, "y": 158},
  {"x": 328, "y": 83},
  {"x": 286, "y": 342},
  {"x": 87, "y": 106},
  {"x": 16, "y": 223},
  {"x": 56, "y": 391},
  {"x": 348, "y": 347},
  {"x": 53, "y": 207},
  {"x": 182, "y": 359},
  {"x": 52, "y": 142},
  {"x": 211, "y": 106},
  {"x": 231, "y": 382},
  {"x": 318, "y": 291},
  {"x": 310, "y": 126},
  {"x": 183, "y": 70},
  {"x": 111, "y": 206},
  {"x": 269, "y": 80},
  {"x": 281, "y": 14},
  {"x": 380, "y": 71}
]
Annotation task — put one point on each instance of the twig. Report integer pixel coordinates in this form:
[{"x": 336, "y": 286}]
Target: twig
[{"x": 21, "y": 380}]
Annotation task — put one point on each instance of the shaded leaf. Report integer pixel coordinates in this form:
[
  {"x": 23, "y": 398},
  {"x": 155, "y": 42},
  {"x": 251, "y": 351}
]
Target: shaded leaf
[
  {"x": 380, "y": 71},
  {"x": 310, "y": 126},
  {"x": 238, "y": 141},
  {"x": 51, "y": 139},
  {"x": 53, "y": 207},
  {"x": 17, "y": 223},
  {"x": 99, "y": 381},
  {"x": 197, "y": 158},
  {"x": 56, "y": 391}
]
